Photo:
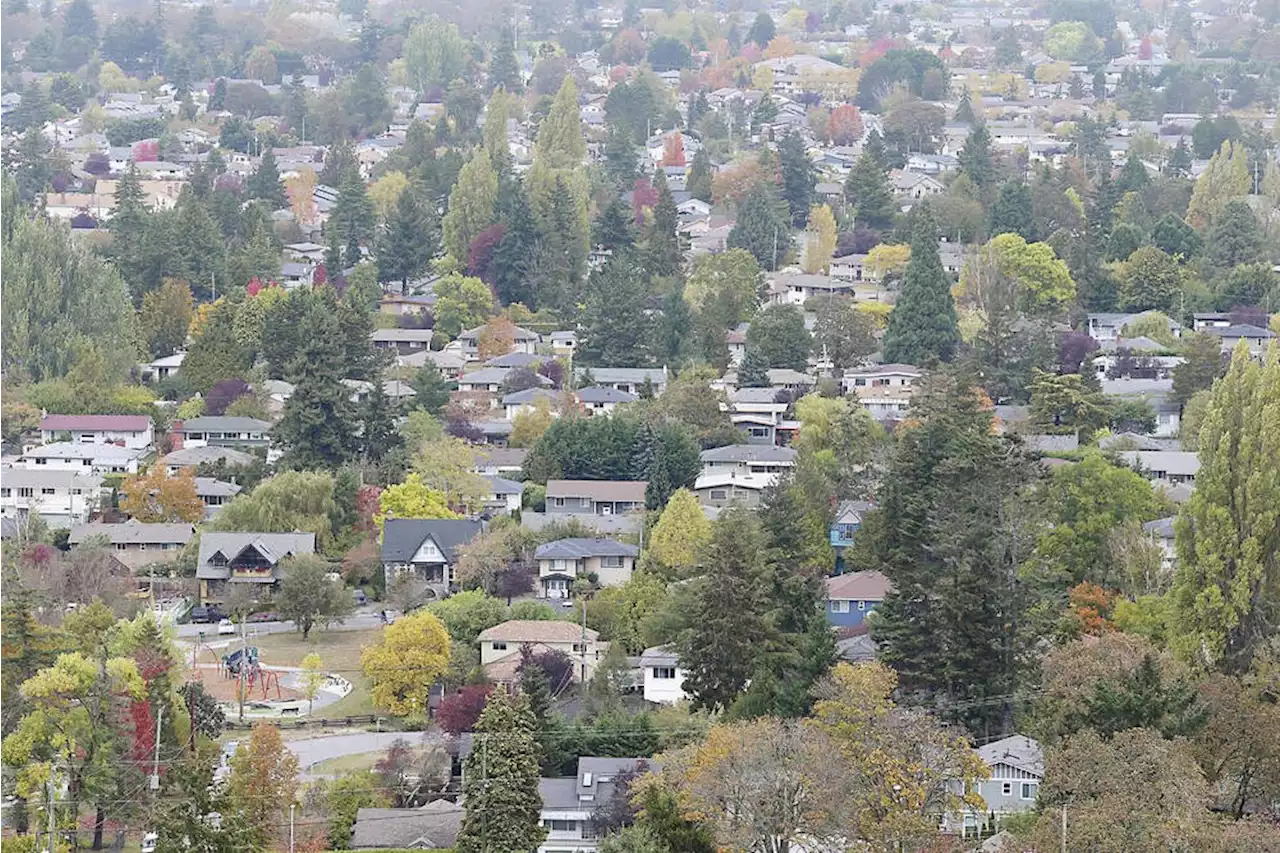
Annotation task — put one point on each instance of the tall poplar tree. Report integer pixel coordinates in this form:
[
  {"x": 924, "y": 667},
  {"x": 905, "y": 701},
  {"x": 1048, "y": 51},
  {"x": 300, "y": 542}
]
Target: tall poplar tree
[
  {"x": 922, "y": 325},
  {"x": 471, "y": 205},
  {"x": 500, "y": 792}
]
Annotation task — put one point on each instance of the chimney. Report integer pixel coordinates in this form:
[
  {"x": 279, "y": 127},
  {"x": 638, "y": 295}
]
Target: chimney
[{"x": 175, "y": 435}]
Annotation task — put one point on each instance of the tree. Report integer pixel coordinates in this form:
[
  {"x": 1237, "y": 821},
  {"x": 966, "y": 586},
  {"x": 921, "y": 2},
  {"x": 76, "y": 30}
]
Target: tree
[
  {"x": 615, "y": 329},
  {"x": 459, "y": 712},
  {"x": 867, "y": 191},
  {"x": 664, "y": 255},
  {"x": 529, "y": 425},
  {"x": 313, "y": 678},
  {"x": 976, "y": 159},
  {"x": 165, "y": 317},
  {"x": 432, "y": 390},
  {"x": 821, "y": 242},
  {"x": 1226, "y": 178},
  {"x": 353, "y": 218},
  {"x": 845, "y": 126},
  {"x": 1150, "y": 280},
  {"x": 797, "y": 177},
  {"x": 947, "y": 520},
  {"x": 778, "y": 332},
  {"x": 512, "y": 264},
  {"x": 699, "y": 181},
  {"x": 1012, "y": 213},
  {"x": 613, "y": 231},
  {"x": 501, "y": 787},
  {"x": 156, "y": 497},
  {"x": 462, "y": 302},
  {"x": 842, "y": 333},
  {"x": 1175, "y": 237},
  {"x": 762, "y": 228},
  {"x": 287, "y": 502},
  {"x": 264, "y": 184},
  {"x": 922, "y": 325},
  {"x": 1202, "y": 364},
  {"x": 679, "y": 536},
  {"x": 408, "y": 241},
  {"x": 307, "y": 595},
  {"x": 445, "y": 466},
  {"x": 434, "y": 54},
  {"x": 471, "y": 204},
  {"x": 1234, "y": 237},
  {"x": 753, "y": 372},
  {"x": 762, "y": 30},
  {"x": 411, "y": 499},
  {"x": 504, "y": 70},
  {"x": 1225, "y": 587},
  {"x": 263, "y": 781},
  {"x": 413, "y": 653}
]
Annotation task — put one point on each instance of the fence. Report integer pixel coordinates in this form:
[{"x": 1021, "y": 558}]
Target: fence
[{"x": 304, "y": 722}]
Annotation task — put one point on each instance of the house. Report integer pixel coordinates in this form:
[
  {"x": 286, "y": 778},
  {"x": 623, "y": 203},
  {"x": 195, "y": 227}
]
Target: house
[
  {"x": 401, "y": 341},
  {"x": 136, "y": 544},
  {"x": 796, "y": 288},
  {"x": 133, "y": 431},
  {"x": 1161, "y": 532},
  {"x": 59, "y": 498},
  {"x": 70, "y": 456},
  {"x": 603, "y": 525},
  {"x": 564, "y": 343},
  {"x": 160, "y": 369},
  {"x": 569, "y": 805},
  {"x": 885, "y": 391},
  {"x": 1103, "y": 326},
  {"x": 630, "y": 379},
  {"x": 515, "y": 359},
  {"x": 1255, "y": 339},
  {"x": 434, "y": 826},
  {"x": 852, "y": 596},
  {"x": 663, "y": 677},
  {"x": 426, "y": 548},
  {"x": 504, "y": 495},
  {"x": 450, "y": 364},
  {"x": 914, "y": 186},
  {"x": 1017, "y": 768},
  {"x": 522, "y": 341},
  {"x": 499, "y": 461},
  {"x": 561, "y": 562},
  {"x": 1203, "y": 320},
  {"x": 238, "y": 557},
  {"x": 1157, "y": 393},
  {"x": 518, "y": 402},
  {"x": 597, "y": 497},
  {"x": 500, "y": 647},
  {"x": 490, "y": 379},
  {"x": 193, "y": 457},
  {"x": 1170, "y": 467},
  {"x": 749, "y": 459},
  {"x": 845, "y": 527},
  {"x": 598, "y": 400},
  {"x": 758, "y": 413},
  {"x": 221, "y": 431},
  {"x": 214, "y": 494},
  {"x": 736, "y": 340}
]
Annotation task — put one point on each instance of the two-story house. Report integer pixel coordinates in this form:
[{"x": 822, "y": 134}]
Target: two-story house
[
  {"x": 426, "y": 548},
  {"x": 1017, "y": 769},
  {"x": 1107, "y": 326},
  {"x": 524, "y": 341},
  {"x": 739, "y": 473},
  {"x": 796, "y": 288},
  {"x": 500, "y": 647},
  {"x": 85, "y": 458},
  {"x": 136, "y": 544},
  {"x": 845, "y": 527},
  {"x": 884, "y": 390},
  {"x": 59, "y": 498},
  {"x": 595, "y": 497},
  {"x": 610, "y": 563},
  {"x": 851, "y": 597},
  {"x": 662, "y": 676},
  {"x": 569, "y": 806},
  {"x": 1255, "y": 338},
  {"x": 401, "y": 341},
  {"x": 757, "y": 413},
  {"x": 221, "y": 431},
  {"x": 245, "y": 557},
  {"x": 133, "y": 431}
]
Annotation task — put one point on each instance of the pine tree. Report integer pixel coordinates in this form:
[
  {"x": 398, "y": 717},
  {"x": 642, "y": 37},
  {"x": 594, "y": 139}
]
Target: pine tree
[
  {"x": 500, "y": 792},
  {"x": 431, "y": 389},
  {"x": 798, "y": 178},
  {"x": 339, "y": 162},
  {"x": 408, "y": 242},
  {"x": 964, "y": 111},
  {"x": 504, "y": 69},
  {"x": 922, "y": 325},
  {"x": 699, "y": 181},
  {"x": 265, "y": 185},
  {"x": 332, "y": 257},
  {"x": 663, "y": 242},
  {"x": 513, "y": 259},
  {"x": 753, "y": 372},
  {"x": 1133, "y": 177},
  {"x": 875, "y": 147},
  {"x": 762, "y": 227},
  {"x": 378, "y": 435},
  {"x": 563, "y": 240},
  {"x": 1179, "y": 162},
  {"x": 1012, "y": 213},
  {"x": 867, "y": 191},
  {"x": 616, "y": 325},
  {"x": 975, "y": 158},
  {"x": 620, "y": 157},
  {"x": 354, "y": 215},
  {"x": 613, "y": 231}
]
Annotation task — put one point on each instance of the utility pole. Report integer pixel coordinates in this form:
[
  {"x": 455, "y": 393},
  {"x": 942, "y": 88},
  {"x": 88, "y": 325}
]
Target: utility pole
[
  {"x": 292, "y": 806},
  {"x": 244, "y": 663},
  {"x": 584, "y": 639},
  {"x": 50, "y": 842},
  {"x": 155, "y": 767}
]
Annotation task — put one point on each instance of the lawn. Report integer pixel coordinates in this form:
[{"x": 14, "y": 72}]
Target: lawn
[
  {"x": 346, "y": 764},
  {"x": 340, "y": 652}
]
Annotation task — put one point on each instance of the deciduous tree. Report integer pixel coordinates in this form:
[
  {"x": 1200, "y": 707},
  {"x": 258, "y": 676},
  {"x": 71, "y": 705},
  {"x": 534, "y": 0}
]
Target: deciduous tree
[
  {"x": 157, "y": 497},
  {"x": 413, "y": 653},
  {"x": 308, "y": 596}
]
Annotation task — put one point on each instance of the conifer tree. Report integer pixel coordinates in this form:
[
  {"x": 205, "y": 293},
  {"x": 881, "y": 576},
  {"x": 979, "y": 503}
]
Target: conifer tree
[
  {"x": 613, "y": 231},
  {"x": 265, "y": 185},
  {"x": 354, "y": 215},
  {"x": 798, "y": 178},
  {"x": 620, "y": 157},
  {"x": 753, "y": 372},
  {"x": 699, "y": 181},
  {"x": 378, "y": 436},
  {"x": 867, "y": 191},
  {"x": 431, "y": 389},
  {"x": 500, "y": 793},
  {"x": 762, "y": 227},
  {"x": 1012, "y": 213},
  {"x": 616, "y": 325},
  {"x": 922, "y": 325},
  {"x": 513, "y": 259},
  {"x": 408, "y": 241},
  {"x": 663, "y": 242},
  {"x": 504, "y": 69},
  {"x": 975, "y": 158}
]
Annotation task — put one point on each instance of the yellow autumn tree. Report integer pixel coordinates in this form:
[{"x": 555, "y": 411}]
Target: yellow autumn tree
[
  {"x": 678, "y": 537},
  {"x": 413, "y": 653},
  {"x": 887, "y": 259},
  {"x": 411, "y": 499},
  {"x": 821, "y": 240},
  {"x": 157, "y": 497},
  {"x": 528, "y": 426},
  {"x": 1225, "y": 178}
]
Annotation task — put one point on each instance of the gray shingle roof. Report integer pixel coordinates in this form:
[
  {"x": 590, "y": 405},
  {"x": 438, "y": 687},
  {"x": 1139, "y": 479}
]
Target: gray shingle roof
[
  {"x": 402, "y": 537},
  {"x": 432, "y": 827},
  {"x": 133, "y": 533},
  {"x": 189, "y": 456},
  {"x": 1018, "y": 751},
  {"x": 273, "y": 546},
  {"x": 597, "y": 394},
  {"x": 750, "y": 453},
  {"x": 600, "y": 490},
  {"x": 577, "y": 549},
  {"x": 222, "y": 423}
]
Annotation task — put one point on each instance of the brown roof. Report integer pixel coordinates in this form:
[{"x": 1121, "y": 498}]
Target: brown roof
[
  {"x": 600, "y": 490},
  {"x": 858, "y": 586},
  {"x": 537, "y": 631},
  {"x": 113, "y": 423}
]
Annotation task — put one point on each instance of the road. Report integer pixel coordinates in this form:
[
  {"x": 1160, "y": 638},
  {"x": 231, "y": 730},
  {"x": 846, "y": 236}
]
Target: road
[
  {"x": 360, "y": 621},
  {"x": 311, "y": 751}
]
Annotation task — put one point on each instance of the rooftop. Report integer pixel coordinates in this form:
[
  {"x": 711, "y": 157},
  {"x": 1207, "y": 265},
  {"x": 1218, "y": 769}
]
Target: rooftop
[
  {"x": 600, "y": 490},
  {"x": 858, "y": 586},
  {"x": 133, "y": 533},
  {"x": 96, "y": 423},
  {"x": 576, "y": 549},
  {"x": 538, "y": 631}
]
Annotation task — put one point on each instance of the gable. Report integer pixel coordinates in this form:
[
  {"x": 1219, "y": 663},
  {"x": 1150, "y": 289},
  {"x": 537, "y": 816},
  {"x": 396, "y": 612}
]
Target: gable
[{"x": 428, "y": 552}]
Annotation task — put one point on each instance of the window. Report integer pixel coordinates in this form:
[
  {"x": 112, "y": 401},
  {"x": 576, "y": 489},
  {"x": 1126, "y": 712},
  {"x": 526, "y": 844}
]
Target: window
[
  {"x": 839, "y": 606},
  {"x": 559, "y": 501},
  {"x": 665, "y": 672},
  {"x": 860, "y": 383},
  {"x": 719, "y": 494},
  {"x": 5, "y": 492},
  {"x": 862, "y": 605},
  {"x": 25, "y": 492},
  {"x": 560, "y": 825},
  {"x": 47, "y": 491},
  {"x": 120, "y": 546},
  {"x": 40, "y": 460},
  {"x": 1029, "y": 790},
  {"x": 1006, "y": 788},
  {"x": 499, "y": 646},
  {"x": 579, "y": 648},
  {"x": 611, "y": 562}
]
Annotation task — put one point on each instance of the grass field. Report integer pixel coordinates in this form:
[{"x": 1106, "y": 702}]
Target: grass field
[{"x": 346, "y": 764}]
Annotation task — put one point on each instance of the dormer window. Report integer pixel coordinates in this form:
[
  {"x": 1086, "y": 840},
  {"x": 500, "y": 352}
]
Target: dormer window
[{"x": 587, "y": 781}]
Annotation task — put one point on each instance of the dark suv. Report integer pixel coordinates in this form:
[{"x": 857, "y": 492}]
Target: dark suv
[{"x": 200, "y": 613}]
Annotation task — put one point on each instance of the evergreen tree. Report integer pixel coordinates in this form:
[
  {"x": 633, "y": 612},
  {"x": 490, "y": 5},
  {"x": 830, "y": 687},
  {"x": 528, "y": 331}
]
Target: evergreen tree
[
  {"x": 613, "y": 231},
  {"x": 765, "y": 112},
  {"x": 513, "y": 259},
  {"x": 948, "y": 536},
  {"x": 798, "y": 178},
  {"x": 779, "y": 334},
  {"x": 620, "y": 157},
  {"x": 378, "y": 436},
  {"x": 339, "y": 162},
  {"x": 500, "y": 792},
  {"x": 431, "y": 389},
  {"x": 762, "y": 227},
  {"x": 753, "y": 372},
  {"x": 332, "y": 263},
  {"x": 1234, "y": 237},
  {"x": 198, "y": 243},
  {"x": 975, "y": 158},
  {"x": 922, "y": 325},
  {"x": 354, "y": 215},
  {"x": 867, "y": 191},
  {"x": 1179, "y": 162},
  {"x": 128, "y": 226},
  {"x": 699, "y": 181},
  {"x": 663, "y": 242},
  {"x": 1012, "y": 213},
  {"x": 875, "y": 147},
  {"x": 408, "y": 242},
  {"x": 504, "y": 69},
  {"x": 964, "y": 111},
  {"x": 1133, "y": 177},
  {"x": 674, "y": 325},
  {"x": 568, "y": 252},
  {"x": 318, "y": 429},
  {"x": 264, "y": 184},
  {"x": 616, "y": 325}
]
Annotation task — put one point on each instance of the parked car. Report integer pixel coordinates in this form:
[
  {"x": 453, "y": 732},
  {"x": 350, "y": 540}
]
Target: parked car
[
  {"x": 265, "y": 616},
  {"x": 360, "y": 597},
  {"x": 203, "y": 614},
  {"x": 149, "y": 842},
  {"x": 226, "y": 626}
]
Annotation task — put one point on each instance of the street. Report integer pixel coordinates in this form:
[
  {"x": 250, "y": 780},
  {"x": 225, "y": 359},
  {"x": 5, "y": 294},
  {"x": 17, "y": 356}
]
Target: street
[{"x": 361, "y": 620}]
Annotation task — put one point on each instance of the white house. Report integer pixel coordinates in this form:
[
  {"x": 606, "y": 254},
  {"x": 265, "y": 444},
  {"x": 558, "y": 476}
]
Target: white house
[
  {"x": 663, "y": 677},
  {"x": 629, "y": 379},
  {"x": 757, "y": 412},
  {"x": 601, "y": 401},
  {"x": 523, "y": 341},
  {"x": 563, "y": 561},
  {"x": 797, "y": 288},
  {"x": 95, "y": 458},
  {"x": 133, "y": 431},
  {"x": 500, "y": 647},
  {"x": 885, "y": 390},
  {"x": 60, "y": 498}
]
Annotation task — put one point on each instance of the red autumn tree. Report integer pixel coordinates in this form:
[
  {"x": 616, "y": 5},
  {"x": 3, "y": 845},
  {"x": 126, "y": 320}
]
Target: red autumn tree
[
  {"x": 320, "y": 276},
  {"x": 673, "y": 150},
  {"x": 643, "y": 197},
  {"x": 459, "y": 711},
  {"x": 1144, "y": 48},
  {"x": 845, "y": 125},
  {"x": 480, "y": 252},
  {"x": 146, "y": 151}
]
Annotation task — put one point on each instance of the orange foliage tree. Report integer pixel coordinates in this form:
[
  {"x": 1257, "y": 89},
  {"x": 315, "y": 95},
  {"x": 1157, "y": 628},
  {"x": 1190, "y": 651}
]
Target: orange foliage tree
[
  {"x": 498, "y": 337},
  {"x": 673, "y": 150},
  {"x": 845, "y": 125},
  {"x": 157, "y": 497}
]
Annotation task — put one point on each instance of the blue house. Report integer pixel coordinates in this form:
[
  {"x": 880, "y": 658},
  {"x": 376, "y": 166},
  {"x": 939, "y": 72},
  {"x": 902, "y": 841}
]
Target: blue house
[
  {"x": 851, "y": 597},
  {"x": 847, "y": 523}
]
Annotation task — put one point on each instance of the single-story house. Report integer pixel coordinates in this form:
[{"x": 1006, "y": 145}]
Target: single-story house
[
  {"x": 1170, "y": 467},
  {"x": 427, "y": 548},
  {"x": 562, "y": 561},
  {"x": 245, "y": 557},
  {"x": 192, "y": 457},
  {"x": 598, "y": 497},
  {"x": 852, "y": 596},
  {"x": 1255, "y": 339},
  {"x": 137, "y": 544},
  {"x": 220, "y": 431},
  {"x": 434, "y": 826},
  {"x": 523, "y": 341},
  {"x": 133, "y": 431},
  {"x": 95, "y": 458},
  {"x": 518, "y": 402},
  {"x": 401, "y": 341},
  {"x": 598, "y": 400},
  {"x": 215, "y": 494},
  {"x": 633, "y": 380},
  {"x": 663, "y": 677}
]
